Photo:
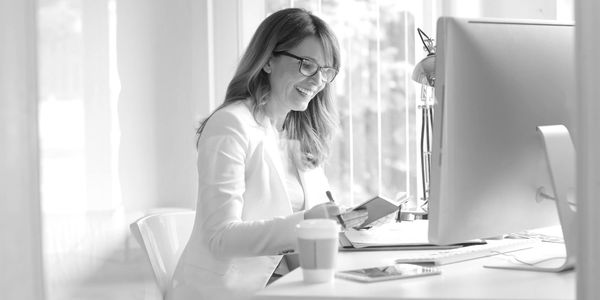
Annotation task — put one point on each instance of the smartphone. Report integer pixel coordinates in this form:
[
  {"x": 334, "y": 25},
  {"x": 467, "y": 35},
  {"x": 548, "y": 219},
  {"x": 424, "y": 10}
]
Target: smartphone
[{"x": 397, "y": 271}]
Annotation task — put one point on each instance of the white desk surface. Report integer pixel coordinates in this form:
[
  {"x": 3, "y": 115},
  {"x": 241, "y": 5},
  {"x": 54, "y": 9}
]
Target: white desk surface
[{"x": 464, "y": 280}]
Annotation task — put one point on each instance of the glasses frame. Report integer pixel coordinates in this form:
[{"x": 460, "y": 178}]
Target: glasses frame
[{"x": 303, "y": 59}]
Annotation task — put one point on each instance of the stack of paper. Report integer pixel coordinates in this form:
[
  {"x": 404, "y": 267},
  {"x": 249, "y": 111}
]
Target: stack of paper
[{"x": 408, "y": 235}]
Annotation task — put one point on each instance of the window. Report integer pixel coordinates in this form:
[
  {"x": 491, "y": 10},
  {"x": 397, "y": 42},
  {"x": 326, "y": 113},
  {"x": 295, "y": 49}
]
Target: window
[
  {"x": 377, "y": 150},
  {"x": 77, "y": 106}
]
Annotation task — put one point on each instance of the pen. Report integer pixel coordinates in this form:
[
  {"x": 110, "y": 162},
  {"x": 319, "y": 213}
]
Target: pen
[
  {"x": 339, "y": 217},
  {"x": 399, "y": 215}
]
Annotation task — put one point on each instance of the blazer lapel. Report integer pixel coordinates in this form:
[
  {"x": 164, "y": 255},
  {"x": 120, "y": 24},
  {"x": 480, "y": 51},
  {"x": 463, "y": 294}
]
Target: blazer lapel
[{"x": 273, "y": 158}]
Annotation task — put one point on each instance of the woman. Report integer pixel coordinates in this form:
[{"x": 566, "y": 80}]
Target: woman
[{"x": 259, "y": 160}]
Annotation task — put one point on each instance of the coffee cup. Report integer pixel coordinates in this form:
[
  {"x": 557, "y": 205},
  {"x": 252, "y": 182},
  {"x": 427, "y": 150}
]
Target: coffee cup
[{"x": 318, "y": 248}]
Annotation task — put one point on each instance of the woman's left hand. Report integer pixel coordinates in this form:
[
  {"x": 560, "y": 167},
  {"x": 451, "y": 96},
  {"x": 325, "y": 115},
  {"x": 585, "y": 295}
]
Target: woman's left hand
[
  {"x": 354, "y": 218},
  {"x": 328, "y": 210}
]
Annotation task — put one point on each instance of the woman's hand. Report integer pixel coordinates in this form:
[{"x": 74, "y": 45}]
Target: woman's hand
[
  {"x": 354, "y": 218},
  {"x": 330, "y": 210},
  {"x": 325, "y": 210}
]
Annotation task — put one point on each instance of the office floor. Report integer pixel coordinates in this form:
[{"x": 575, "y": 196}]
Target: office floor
[{"x": 92, "y": 256}]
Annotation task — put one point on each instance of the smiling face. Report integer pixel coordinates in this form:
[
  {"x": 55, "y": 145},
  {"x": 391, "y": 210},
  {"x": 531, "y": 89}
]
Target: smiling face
[{"x": 291, "y": 90}]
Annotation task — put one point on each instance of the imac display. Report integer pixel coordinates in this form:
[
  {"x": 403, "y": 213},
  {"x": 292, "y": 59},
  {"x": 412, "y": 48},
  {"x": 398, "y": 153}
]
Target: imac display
[{"x": 496, "y": 81}]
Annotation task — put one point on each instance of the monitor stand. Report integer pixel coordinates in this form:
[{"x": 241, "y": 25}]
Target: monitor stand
[{"x": 560, "y": 155}]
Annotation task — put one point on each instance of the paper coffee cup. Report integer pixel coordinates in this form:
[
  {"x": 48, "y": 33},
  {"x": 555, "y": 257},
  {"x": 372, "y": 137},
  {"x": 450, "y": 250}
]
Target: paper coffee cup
[{"x": 318, "y": 248}]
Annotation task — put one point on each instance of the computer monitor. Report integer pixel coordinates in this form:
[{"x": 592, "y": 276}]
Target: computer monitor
[{"x": 496, "y": 81}]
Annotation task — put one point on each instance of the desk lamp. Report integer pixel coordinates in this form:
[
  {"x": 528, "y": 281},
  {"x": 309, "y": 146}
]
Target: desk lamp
[{"x": 424, "y": 74}]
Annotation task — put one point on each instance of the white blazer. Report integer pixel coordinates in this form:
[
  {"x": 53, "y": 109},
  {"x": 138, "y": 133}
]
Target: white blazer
[{"x": 244, "y": 219}]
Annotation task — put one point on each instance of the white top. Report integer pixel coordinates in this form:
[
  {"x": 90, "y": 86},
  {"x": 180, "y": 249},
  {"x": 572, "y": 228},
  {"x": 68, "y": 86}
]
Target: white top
[{"x": 291, "y": 178}]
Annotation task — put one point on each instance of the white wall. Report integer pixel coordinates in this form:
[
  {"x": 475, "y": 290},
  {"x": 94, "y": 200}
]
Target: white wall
[
  {"x": 20, "y": 222},
  {"x": 159, "y": 103},
  {"x": 588, "y": 148},
  {"x": 175, "y": 59}
]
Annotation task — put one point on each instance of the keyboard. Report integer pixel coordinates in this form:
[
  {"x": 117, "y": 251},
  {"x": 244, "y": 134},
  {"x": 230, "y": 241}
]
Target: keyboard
[{"x": 492, "y": 247}]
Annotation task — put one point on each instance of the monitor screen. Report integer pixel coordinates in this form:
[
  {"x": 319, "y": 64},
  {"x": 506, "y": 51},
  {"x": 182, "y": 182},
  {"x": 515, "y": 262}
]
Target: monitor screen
[{"x": 496, "y": 81}]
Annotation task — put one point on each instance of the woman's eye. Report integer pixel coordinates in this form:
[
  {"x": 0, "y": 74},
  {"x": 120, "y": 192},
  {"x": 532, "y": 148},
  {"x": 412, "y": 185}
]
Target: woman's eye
[{"x": 309, "y": 66}]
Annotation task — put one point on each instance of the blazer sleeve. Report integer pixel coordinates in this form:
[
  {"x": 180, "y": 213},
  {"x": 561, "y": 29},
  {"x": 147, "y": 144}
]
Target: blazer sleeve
[{"x": 221, "y": 168}]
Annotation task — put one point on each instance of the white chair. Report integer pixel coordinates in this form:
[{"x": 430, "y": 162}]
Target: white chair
[{"x": 163, "y": 235}]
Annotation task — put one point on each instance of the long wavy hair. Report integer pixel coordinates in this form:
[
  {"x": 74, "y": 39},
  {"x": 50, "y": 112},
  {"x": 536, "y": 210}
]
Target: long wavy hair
[{"x": 313, "y": 128}]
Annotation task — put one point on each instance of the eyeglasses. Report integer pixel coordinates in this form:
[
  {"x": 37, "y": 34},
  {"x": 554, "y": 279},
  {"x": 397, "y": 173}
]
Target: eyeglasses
[{"x": 309, "y": 67}]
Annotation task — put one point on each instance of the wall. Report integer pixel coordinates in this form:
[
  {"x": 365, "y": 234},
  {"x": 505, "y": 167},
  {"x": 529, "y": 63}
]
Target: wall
[
  {"x": 588, "y": 147},
  {"x": 175, "y": 59},
  {"x": 159, "y": 102},
  {"x": 20, "y": 229}
]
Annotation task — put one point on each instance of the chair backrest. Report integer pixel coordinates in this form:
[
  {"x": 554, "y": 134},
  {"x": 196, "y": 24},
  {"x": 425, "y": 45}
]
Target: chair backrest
[{"x": 163, "y": 236}]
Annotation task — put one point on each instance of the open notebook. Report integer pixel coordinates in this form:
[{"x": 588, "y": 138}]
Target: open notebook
[{"x": 409, "y": 235}]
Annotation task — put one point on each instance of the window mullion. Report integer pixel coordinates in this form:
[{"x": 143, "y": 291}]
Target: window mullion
[{"x": 379, "y": 106}]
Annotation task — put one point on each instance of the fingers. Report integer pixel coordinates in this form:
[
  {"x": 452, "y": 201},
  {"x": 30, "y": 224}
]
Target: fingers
[
  {"x": 355, "y": 218},
  {"x": 356, "y": 223},
  {"x": 353, "y": 214},
  {"x": 329, "y": 210},
  {"x": 332, "y": 209},
  {"x": 322, "y": 211}
]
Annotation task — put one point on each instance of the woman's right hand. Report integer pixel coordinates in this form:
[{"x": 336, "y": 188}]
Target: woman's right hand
[{"x": 327, "y": 210}]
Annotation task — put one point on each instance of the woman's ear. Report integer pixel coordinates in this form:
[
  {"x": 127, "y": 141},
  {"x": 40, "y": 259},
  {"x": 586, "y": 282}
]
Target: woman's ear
[{"x": 267, "y": 66}]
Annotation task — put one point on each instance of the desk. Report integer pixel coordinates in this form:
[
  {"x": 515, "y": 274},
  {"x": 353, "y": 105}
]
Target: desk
[{"x": 464, "y": 280}]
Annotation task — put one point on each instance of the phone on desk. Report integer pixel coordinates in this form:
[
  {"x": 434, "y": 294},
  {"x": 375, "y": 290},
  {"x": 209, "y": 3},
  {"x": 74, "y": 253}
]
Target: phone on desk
[
  {"x": 397, "y": 271},
  {"x": 377, "y": 208}
]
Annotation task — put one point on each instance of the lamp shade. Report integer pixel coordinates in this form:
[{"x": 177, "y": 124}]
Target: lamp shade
[{"x": 424, "y": 72}]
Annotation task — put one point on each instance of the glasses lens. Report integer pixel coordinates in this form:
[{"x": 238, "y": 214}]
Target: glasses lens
[
  {"x": 329, "y": 74},
  {"x": 308, "y": 68}
]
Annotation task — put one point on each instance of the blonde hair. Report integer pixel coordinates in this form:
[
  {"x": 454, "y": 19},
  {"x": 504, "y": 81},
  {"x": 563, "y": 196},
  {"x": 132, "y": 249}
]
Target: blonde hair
[{"x": 313, "y": 128}]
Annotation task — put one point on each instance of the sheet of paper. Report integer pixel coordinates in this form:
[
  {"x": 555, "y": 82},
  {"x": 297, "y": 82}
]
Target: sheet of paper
[{"x": 391, "y": 234}]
